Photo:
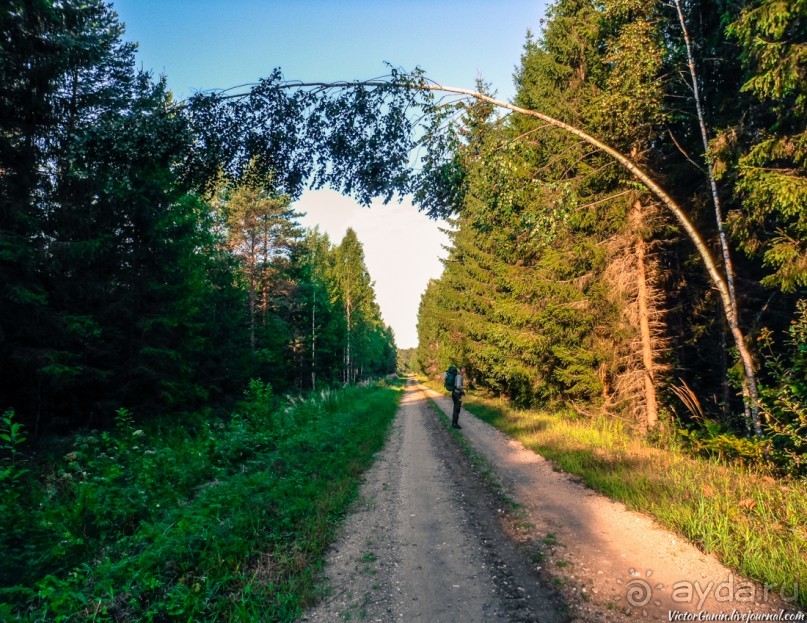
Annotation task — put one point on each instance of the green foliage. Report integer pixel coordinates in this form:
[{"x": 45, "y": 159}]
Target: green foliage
[
  {"x": 135, "y": 298},
  {"x": 771, "y": 33},
  {"x": 712, "y": 441},
  {"x": 527, "y": 298},
  {"x": 407, "y": 361},
  {"x": 785, "y": 399},
  {"x": 540, "y": 292},
  {"x": 765, "y": 154},
  {"x": 261, "y": 233},
  {"x": 354, "y": 140},
  {"x": 116, "y": 288},
  {"x": 318, "y": 327},
  {"x": 201, "y": 519},
  {"x": 13, "y": 483},
  {"x": 12, "y": 436},
  {"x": 131, "y": 299},
  {"x": 442, "y": 181},
  {"x": 368, "y": 346},
  {"x": 629, "y": 108}
]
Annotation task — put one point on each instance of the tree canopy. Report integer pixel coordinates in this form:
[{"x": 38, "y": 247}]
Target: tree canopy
[
  {"x": 584, "y": 290},
  {"x": 148, "y": 252}
]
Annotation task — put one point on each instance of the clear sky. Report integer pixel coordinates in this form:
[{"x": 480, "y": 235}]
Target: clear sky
[{"x": 216, "y": 44}]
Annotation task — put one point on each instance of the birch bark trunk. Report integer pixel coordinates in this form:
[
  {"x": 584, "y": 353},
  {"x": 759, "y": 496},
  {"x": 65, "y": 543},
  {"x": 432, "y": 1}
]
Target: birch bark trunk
[{"x": 751, "y": 410}]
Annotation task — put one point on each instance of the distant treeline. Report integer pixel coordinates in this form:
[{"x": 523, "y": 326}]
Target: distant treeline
[
  {"x": 133, "y": 276},
  {"x": 567, "y": 283}
]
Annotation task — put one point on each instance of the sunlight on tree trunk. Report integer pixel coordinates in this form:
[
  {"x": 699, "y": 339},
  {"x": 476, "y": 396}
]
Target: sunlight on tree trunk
[{"x": 651, "y": 403}]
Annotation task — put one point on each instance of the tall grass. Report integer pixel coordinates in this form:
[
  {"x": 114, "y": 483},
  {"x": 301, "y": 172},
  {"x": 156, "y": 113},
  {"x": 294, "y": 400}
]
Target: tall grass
[
  {"x": 753, "y": 522},
  {"x": 203, "y": 520}
]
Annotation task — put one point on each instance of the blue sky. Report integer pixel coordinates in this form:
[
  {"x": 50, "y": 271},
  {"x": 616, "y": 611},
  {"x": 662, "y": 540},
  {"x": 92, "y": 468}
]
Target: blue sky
[{"x": 215, "y": 44}]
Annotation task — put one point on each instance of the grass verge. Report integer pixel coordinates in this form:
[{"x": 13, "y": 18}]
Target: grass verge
[
  {"x": 209, "y": 520},
  {"x": 754, "y": 523}
]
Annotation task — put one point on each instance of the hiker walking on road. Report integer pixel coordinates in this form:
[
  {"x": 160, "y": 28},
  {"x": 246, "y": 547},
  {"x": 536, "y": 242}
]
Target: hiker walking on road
[{"x": 456, "y": 396}]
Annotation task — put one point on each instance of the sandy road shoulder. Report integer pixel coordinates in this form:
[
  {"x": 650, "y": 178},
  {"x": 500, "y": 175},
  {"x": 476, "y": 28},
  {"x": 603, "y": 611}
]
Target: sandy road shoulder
[
  {"x": 360, "y": 566},
  {"x": 612, "y": 564}
]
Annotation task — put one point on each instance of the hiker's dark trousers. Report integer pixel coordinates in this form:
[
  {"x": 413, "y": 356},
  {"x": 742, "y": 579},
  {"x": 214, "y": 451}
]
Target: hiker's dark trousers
[{"x": 457, "y": 398}]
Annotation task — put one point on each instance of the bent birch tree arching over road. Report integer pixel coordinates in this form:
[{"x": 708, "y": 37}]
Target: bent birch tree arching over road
[
  {"x": 750, "y": 389},
  {"x": 360, "y": 142}
]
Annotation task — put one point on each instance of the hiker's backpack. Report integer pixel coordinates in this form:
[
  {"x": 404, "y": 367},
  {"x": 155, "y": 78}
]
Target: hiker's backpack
[{"x": 451, "y": 376}]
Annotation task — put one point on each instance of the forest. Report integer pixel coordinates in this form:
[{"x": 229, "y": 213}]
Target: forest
[
  {"x": 154, "y": 315},
  {"x": 569, "y": 283},
  {"x": 628, "y": 244},
  {"x": 129, "y": 277}
]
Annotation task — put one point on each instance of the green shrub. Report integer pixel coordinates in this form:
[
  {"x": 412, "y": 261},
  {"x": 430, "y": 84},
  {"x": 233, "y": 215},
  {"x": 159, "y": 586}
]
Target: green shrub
[
  {"x": 208, "y": 519},
  {"x": 13, "y": 485},
  {"x": 784, "y": 399}
]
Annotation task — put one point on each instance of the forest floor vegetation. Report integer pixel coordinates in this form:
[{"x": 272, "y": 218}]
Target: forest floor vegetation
[
  {"x": 202, "y": 518},
  {"x": 751, "y": 521}
]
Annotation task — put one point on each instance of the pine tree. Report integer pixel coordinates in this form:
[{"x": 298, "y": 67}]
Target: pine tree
[
  {"x": 46, "y": 51},
  {"x": 261, "y": 231},
  {"x": 367, "y": 342},
  {"x": 112, "y": 296},
  {"x": 770, "y": 146}
]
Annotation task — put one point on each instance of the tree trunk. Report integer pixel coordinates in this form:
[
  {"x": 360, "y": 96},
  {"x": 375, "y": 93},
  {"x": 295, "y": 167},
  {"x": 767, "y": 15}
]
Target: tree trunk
[
  {"x": 264, "y": 272},
  {"x": 313, "y": 343},
  {"x": 724, "y": 365},
  {"x": 348, "y": 362},
  {"x": 252, "y": 316},
  {"x": 252, "y": 293},
  {"x": 751, "y": 419},
  {"x": 651, "y": 404}
]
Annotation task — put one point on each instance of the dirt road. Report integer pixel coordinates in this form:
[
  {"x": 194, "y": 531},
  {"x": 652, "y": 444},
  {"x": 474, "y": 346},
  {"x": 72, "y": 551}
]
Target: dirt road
[{"x": 432, "y": 540}]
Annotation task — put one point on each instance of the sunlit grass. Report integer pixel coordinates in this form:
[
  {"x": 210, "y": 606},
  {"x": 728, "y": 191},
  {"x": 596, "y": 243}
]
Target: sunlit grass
[
  {"x": 203, "y": 520},
  {"x": 753, "y": 522}
]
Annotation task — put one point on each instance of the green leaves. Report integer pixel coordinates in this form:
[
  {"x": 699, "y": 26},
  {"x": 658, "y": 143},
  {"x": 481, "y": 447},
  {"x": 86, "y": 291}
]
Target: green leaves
[
  {"x": 203, "y": 520},
  {"x": 771, "y": 178},
  {"x": 356, "y": 140},
  {"x": 772, "y": 35},
  {"x": 12, "y": 436},
  {"x": 367, "y": 345},
  {"x": 526, "y": 298}
]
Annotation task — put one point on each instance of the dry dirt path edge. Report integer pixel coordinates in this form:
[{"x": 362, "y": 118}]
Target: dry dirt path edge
[
  {"x": 423, "y": 541},
  {"x": 611, "y": 564}
]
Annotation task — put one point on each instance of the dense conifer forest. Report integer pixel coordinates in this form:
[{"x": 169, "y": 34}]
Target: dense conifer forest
[
  {"x": 133, "y": 277},
  {"x": 568, "y": 283}
]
